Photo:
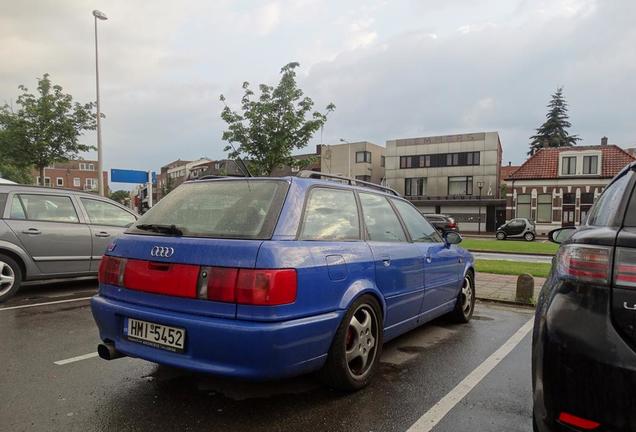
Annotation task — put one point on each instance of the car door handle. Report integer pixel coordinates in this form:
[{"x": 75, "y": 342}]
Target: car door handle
[
  {"x": 386, "y": 261},
  {"x": 428, "y": 260},
  {"x": 33, "y": 231},
  {"x": 102, "y": 234}
]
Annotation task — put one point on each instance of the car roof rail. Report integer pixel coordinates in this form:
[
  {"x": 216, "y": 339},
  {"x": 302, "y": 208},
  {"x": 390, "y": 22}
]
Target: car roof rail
[{"x": 346, "y": 180}]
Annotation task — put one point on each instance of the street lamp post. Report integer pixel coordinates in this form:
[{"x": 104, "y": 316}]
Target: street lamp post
[
  {"x": 100, "y": 168},
  {"x": 348, "y": 156},
  {"x": 480, "y": 185}
]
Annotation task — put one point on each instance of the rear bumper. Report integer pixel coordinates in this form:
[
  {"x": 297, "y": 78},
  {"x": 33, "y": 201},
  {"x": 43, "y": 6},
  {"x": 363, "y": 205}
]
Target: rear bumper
[
  {"x": 243, "y": 349},
  {"x": 581, "y": 365}
]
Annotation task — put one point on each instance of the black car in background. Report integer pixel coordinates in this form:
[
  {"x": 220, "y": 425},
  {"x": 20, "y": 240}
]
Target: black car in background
[
  {"x": 584, "y": 339},
  {"x": 520, "y": 228},
  {"x": 442, "y": 222}
]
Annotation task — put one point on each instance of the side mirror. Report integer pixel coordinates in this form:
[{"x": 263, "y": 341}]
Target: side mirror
[
  {"x": 452, "y": 238},
  {"x": 561, "y": 235}
]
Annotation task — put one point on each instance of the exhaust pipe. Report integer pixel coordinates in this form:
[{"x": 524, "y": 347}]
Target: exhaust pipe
[{"x": 107, "y": 351}]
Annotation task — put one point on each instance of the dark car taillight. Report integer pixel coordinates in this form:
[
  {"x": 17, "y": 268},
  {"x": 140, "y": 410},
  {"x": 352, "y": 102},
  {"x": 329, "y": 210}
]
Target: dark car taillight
[
  {"x": 584, "y": 263},
  {"x": 625, "y": 268},
  {"x": 111, "y": 270},
  {"x": 261, "y": 287},
  {"x": 451, "y": 223}
]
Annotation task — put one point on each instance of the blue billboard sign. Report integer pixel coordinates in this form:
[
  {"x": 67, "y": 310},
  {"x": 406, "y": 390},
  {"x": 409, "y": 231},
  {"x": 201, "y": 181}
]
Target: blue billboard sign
[{"x": 129, "y": 176}]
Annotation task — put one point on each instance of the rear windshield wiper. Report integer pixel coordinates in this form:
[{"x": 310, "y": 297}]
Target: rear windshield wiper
[{"x": 164, "y": 229}]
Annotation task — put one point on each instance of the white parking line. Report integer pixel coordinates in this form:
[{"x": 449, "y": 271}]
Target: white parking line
[
  {"x": 433, "y": 416},
  {"x": 45, "y": 303},
  {"x": 75, "y": 359}
]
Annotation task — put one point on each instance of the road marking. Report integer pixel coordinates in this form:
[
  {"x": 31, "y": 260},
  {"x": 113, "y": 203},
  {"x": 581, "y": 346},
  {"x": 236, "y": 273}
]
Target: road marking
[
  {"x": 45, "y": 304},
  {"x": 75, "y": 359},
  {"x": 433, "y": 416}
]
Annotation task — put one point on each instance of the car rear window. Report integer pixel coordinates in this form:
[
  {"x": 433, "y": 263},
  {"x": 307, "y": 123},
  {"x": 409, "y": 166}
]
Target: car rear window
[
  {"x": 238, "y": 209},
  {"x": 604, "y": 211}
]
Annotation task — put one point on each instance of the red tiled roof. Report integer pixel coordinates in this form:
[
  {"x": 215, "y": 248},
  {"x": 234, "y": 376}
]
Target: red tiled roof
[
  {"x": 508, "y": 170},
  {"x": 544, "y": 164}
]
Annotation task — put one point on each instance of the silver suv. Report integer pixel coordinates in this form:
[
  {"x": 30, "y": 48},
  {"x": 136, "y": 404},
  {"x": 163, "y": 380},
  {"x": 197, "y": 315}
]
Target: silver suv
[{"x": 54, "y": 233}]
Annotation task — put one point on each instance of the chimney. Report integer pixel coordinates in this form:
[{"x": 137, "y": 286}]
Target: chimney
[
  {"x": 604, "y": 141},
  {"x": 509, "y": 163}
]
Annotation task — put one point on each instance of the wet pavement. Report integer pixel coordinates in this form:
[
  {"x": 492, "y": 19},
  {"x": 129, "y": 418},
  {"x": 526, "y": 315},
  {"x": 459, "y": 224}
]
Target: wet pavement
[{"x": 417, "y": 371}]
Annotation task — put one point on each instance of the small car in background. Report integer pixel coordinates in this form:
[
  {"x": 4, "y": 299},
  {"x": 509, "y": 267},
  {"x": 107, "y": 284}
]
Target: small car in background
[
  {"x": 48, "y": 233},
  {"x": 264, "y": 278},
  {"x": 584, "y": 338},
  {"x": 442, "y": 222},
  {"x": 517, "y": 228}
]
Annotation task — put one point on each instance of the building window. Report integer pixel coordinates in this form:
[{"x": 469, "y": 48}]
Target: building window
[
  {"x": 568, "y": 165},
  {"x": 382, "y": 161},
  {"x": 82, "y": 167},
  {"x": 59, "y": 181},
  {"x": 544, "y": 208},
  {"x": 415, "y": 186},
  {"x": 440, "y": 160},
  {"x": 590, "y": 165},
  {"x": 77, "y": 182},
  {"x": 363, "y": 157},
  {"x": 569, "y": 198},
  {"x": 523, "y": 206},
  {"x": 460, "y": 185},
  {"x": 366, "y": 178},
  {"x": 90, "y": 183},
  {"x": 91, "y": 167}
]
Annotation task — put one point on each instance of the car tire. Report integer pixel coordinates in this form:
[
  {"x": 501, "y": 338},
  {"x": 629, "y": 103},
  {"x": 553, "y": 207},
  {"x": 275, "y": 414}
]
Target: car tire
[
  {"x": 528, "y": 236},
  {"x": 350, "y": 363},
  {"x": 501, "y": 235},
  {"x": 465, "y": 305},
  {"x": 10, "y": 277}
]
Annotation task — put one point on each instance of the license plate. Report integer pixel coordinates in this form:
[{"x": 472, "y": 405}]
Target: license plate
[{"x": 156, "y": 335}]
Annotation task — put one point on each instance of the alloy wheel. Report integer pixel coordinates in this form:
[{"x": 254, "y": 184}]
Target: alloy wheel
[
  {"x": 7, "y": 278},
  {"x": 467, "y": 296},
  {"x": 361, "y": 341}
]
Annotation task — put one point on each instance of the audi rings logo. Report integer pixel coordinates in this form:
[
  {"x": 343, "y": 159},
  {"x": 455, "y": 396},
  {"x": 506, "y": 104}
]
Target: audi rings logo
[{"x": 162, "y": 251}]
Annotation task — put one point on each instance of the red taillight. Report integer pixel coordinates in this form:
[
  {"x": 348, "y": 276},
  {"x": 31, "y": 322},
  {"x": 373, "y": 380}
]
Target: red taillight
[
  {"x": 624, "y": 268},
  {"x": 266, "y": 287},
  {"x": 452, "y": 223},
  {"x": 220, "y": 283},
  {"x": 578, "y": 422},
  {"x": 585, "y": 263},
  {"x": 111, "y": 270}
]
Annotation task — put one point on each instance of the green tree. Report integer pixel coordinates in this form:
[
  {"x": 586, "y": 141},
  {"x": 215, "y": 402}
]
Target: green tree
[
  {"x": 270, "y": 126},
  {"x": 553, "y": 133},
  {"x": 46, "y": 127},
  {"x": 11, "y": 168},
  {"x": 120, "y": 196}
]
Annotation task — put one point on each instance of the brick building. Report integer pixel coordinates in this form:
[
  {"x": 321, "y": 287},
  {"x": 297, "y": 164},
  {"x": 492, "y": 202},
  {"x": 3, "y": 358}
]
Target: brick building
[
  {"x": 557, "y": 186},
  {"x": 78, "y": 174}
]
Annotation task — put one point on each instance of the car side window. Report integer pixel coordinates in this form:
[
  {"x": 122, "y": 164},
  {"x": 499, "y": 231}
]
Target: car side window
[
  {"x": 381, "y": 222},
  {"x": 331, "y": 215},
  {"x": 17, "y": 211},
  {"x": 416, "y": 224},
  {"x": 51, "y": 208},
  {"x": 607, "y": 205},
  {"x": 103, "y": 213}
]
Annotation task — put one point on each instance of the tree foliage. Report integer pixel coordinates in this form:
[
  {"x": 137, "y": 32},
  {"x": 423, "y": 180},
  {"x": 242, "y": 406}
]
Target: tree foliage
[
  {"x": 45, "y": 128},
  {"x": 120, "y": 196},
  {"x": 554, "y": 132},
  {"x": 270, "y": 126}
]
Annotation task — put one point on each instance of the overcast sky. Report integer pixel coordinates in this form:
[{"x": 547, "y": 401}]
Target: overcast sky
[{"x": 394, "y": 69}]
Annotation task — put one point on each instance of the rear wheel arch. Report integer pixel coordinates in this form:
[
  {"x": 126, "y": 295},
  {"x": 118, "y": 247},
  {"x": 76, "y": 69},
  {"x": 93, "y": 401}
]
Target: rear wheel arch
[
  {"x": 18, "y": 259},
  {"x": 354, "y": 292}
]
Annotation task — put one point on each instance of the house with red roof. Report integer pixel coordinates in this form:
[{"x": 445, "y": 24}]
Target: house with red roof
[{"x": 557, "y": 186}]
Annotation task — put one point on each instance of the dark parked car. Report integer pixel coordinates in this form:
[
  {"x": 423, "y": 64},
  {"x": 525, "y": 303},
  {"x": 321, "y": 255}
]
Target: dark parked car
[
  {"x": 584, "y": 340},
  {"x": 442, "y": 222},
  {"x": 517, "y": 228},
  {"x": 50, "y": 233},
  {"x": 271, "y": 277}
]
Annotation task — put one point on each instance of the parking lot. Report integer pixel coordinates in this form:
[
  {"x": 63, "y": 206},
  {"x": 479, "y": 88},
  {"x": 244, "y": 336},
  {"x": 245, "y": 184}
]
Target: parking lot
[{"x": 52, "y": 380}]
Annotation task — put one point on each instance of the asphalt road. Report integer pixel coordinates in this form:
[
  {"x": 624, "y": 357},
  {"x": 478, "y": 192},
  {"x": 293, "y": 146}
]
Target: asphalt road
[{"x": 419, "y": 375}]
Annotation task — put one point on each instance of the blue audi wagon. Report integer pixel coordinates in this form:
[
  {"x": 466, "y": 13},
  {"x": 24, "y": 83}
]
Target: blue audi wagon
[{"x": 263, "y": 278}]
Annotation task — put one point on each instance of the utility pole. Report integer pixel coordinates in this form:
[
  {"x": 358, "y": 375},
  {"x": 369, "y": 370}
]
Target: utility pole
[
  {"x": 100, "y": 163},
  {"x": 480, "y": 185}
]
